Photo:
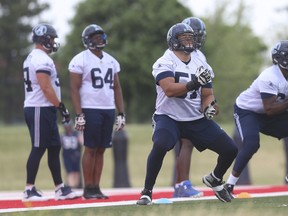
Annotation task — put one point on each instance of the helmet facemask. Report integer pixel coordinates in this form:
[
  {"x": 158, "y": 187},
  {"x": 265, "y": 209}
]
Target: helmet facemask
[
  {"x": 94, "y": 37},
  {"x": 180, "y": 37},
  {"x": 97, "y": 41},
  {"x": 186, "y": 42},
  {"x": 280, "y": 54}
]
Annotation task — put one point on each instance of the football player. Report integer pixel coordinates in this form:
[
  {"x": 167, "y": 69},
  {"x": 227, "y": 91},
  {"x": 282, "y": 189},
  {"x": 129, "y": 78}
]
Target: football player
[
  {"x": 183, "y": 186},
  {"x": 96, "y": 92},
  {"x": 42, "y": 99},
  {"x": 184, "y": 109},
  {"x": 262, "y": 108}
]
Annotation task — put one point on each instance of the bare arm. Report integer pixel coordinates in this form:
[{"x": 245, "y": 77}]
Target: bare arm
[
  {"x": 207, "y": 96},
  {"x": 75, "y": 85},
  {"x": 45, "y": 85},
  {"x": 274, "y": 107},
  {"x": 171, "y": 88},
  {"x": 118, "y": 95}
]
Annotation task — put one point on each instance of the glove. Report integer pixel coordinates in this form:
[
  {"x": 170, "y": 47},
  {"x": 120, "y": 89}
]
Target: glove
[
  {"x": 193, "y": 84},
  {"x": 203, "y": 75},
  {"x": 80, "y": 122},
  {"x": 120, "y": 121},
  {"x": 64, "y": 113},
  {"x": 210, "y": 111}
]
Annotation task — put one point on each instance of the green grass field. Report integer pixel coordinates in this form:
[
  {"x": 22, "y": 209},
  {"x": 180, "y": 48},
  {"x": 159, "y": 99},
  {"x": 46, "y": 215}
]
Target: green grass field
[
  {"x": 267, "y": 166},
  {"x": 253, "y": 207}
]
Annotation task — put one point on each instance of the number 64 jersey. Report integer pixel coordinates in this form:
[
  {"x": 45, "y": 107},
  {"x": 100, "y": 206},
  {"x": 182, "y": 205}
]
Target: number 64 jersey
[
  {"x": 97, "y": 90},
  {"x": 39, "y": 62}
]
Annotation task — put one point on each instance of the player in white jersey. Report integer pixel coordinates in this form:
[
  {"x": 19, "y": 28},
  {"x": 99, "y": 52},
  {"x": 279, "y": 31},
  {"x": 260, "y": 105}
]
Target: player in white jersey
[
  {"x": 262, "y": 108},
  {"x": 42, "y": 99},
  {"x": 95, "y": 90},
  {"x": 184, "y": 109},
  {"x": 183, "y": 186}
]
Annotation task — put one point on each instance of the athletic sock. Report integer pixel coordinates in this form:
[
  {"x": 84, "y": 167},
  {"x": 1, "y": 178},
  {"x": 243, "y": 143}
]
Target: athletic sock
[{"x": 232, "y": 179}]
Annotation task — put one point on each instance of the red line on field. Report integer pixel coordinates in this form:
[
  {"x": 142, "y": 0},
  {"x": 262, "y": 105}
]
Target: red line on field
[{"x": 128, "y": 195}]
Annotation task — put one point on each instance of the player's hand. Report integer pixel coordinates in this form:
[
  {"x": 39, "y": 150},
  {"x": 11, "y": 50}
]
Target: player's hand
[
  {"x": 80, "y": 122},
  {"x": 120, "y": 121},
  {"x": 64, "y": 113},
  {"x": 210, "y": 111},
  {"x": 203, "y": 75}
]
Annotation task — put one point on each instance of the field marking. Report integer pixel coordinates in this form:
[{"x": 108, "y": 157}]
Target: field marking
[{"x": 16, "y": 194}]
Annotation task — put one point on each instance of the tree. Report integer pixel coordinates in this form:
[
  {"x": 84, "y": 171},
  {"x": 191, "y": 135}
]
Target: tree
[
  {"x": 235, "y": 54},
  {"x": 15, "y": 27},
  {"x": 137, "y": 37}
]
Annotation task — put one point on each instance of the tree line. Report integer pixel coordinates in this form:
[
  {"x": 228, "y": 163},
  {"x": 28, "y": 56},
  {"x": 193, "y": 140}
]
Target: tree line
[{"x": 136, "y": 38}]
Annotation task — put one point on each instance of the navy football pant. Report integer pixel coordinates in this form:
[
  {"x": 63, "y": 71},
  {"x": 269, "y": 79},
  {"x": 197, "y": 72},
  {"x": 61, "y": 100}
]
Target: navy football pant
[{"x": 249, "y": 125}]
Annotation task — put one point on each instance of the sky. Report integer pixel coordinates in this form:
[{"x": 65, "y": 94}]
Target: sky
[{"x": 262, "y": 15}]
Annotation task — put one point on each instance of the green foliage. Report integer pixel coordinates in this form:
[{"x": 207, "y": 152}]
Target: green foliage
[
  {"x": 236, "y": 56},
  {"x": 137, "y": 37},
  {"x": 14, "y": 30}
]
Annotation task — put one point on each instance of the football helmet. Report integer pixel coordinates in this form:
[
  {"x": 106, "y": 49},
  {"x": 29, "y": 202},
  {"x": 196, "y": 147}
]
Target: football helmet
[
  {"x": 173, "y": 38},
  {"x": 199, "y": 29},
  {"x": 280, "y": 54},
  {"x": 45, "y": 34},
  {"x": 89, "y": 32}
]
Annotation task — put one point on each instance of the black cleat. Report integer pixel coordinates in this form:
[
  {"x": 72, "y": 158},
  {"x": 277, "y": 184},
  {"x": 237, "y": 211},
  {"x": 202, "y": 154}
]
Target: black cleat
[
  {"x": 146, "y": 198},
  {"x": 229, "y": 188},
  {"x": 217, "y": 185}
]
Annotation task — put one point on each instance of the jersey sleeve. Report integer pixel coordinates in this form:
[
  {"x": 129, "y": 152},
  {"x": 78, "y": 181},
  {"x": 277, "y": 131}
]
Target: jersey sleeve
[
  {"x": 42, "y": 63},
  {"x": 76, "y": 64},
  {"x": 267, "y": 85}
]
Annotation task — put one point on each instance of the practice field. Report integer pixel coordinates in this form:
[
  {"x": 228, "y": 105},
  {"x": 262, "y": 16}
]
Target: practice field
[
  {"x": 255, "y": 199},
  {"x": 267, "y": 168}
]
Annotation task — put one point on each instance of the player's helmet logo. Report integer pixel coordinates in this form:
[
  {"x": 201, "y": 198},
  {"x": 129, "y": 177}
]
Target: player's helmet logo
[{"x": 40, "y": 30}]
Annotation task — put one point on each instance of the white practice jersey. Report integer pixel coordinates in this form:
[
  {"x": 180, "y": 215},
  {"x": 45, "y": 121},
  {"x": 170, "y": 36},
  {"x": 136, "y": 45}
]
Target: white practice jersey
[
  {"x": 37, "y": 61},
  {"x": 188, "y": 106},
  {"x": 97, "y": 90},
  {"x": 270, "y": 81}
]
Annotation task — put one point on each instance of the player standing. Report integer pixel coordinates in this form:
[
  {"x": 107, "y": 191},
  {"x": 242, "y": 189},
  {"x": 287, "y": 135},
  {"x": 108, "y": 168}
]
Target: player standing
[
  {"x": 42, "y": 99},
  {"x": 95, "y": 90}
]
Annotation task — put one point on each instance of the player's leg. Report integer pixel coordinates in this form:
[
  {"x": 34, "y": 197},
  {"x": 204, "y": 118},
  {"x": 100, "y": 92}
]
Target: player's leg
[
  {"x": 248, "y": 125},
  {"x": 32, "y": 118},
  {"x": 286, "y": 158},
  {"x": 244, "y": 178},
  {"x": 165, "y": 136},
  {"x": 183, "y": 186}
]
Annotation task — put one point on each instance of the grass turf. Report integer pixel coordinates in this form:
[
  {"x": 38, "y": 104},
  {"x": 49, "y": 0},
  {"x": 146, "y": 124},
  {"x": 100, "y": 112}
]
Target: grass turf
[{"x": 238, "y": 207}]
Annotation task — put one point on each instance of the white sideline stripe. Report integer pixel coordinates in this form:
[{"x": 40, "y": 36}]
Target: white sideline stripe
[{"x": 118, "y": 203}]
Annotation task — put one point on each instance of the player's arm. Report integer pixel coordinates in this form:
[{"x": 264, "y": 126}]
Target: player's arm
[
  {"x": 272, "y": 106},
  {"x": 171, "y": 88},
  {"x": 75, "y": 85},
  {"x": 118, "y": 94},
  {"x": 209, "y": 105},
  {"x": 44, "y": 81}
]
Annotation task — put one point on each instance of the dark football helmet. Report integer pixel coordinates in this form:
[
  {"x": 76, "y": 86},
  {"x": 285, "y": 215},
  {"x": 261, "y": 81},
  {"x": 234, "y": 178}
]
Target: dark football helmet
[
  {"x": 89, "y": 32},
  {"x": 45, "y": 34},
  {"x": 280, "y": 54},
  {"x": 174, "y": 43},
  {"x": 199, "y": 29}
]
